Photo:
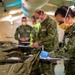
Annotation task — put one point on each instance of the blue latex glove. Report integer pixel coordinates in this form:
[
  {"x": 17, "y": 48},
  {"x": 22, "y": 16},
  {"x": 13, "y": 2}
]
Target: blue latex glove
[{"x": 44, "y": 54}]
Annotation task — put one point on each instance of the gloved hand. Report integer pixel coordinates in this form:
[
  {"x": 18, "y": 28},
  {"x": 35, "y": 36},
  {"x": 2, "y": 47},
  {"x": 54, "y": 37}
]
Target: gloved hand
[
  {"x": 22, "y": 39},
  {"x": 44, "y": 54}
]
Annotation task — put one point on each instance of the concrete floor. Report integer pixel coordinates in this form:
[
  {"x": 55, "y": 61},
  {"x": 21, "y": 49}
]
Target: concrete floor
[{"x": 59, "y": 69}]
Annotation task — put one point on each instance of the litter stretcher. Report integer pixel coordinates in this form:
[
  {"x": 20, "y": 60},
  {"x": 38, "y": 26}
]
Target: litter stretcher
[{"x": 24, "y": 64}]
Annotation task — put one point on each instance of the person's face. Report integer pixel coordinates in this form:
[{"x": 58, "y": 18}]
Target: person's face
[
  {"x": 61, "y": 19},
  {"x": 37, "y": 16},
  {"x": 41, "y": 17},
  {"x": 24, "y": 21},
  {"x": 63, "y": 22},
  {"x": 33, "y": 21}
]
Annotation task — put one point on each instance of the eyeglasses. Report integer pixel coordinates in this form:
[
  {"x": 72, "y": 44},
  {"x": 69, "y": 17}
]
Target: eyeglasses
[{"x": 61, "y": 22}]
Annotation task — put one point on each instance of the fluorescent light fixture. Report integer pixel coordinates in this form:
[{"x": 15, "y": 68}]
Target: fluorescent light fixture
[
  {"x": 50, "y": 13},
  {"x": 11, "y": 18},
  {"x": 15, "y": 11},
  {"x": 72, "y": 7},
  {"x": 7, "y": 18}
]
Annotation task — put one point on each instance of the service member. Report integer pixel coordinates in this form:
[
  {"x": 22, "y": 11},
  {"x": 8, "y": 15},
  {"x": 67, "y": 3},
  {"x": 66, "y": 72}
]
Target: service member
[
  {"x": 48, "y": 37},
  {"x": 22, "y": 33},
  {"x": 65, "y": 17}
]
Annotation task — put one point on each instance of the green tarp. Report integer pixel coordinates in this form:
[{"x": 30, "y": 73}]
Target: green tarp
[{"x": 27, "y": 67}]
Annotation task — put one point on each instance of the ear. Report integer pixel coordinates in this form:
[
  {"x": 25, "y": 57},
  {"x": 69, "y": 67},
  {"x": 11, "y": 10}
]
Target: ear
[{"x": 68, "y": 17}]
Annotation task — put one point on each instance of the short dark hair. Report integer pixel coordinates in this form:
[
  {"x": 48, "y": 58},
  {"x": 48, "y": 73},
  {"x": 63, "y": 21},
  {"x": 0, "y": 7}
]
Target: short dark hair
[
  {"x": 33, "y": 17},
  {"x": 39, "y": 12},
  {"x": 63, "y": 10},
  {"x": 24, "y": 19}
]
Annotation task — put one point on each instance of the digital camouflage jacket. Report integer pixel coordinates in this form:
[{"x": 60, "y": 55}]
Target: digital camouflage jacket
[
  {"x": 22, "y": 32},
  {"x": 48, "y": 35},
  {"x": 69, "y": 44}
]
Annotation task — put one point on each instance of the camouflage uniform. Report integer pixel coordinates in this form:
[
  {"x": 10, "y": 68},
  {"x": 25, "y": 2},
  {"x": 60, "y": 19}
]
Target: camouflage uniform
[
  {"x": 34, "y": 38},
  {"x": 69, "y": 50},
  {"x": 35, "y": 32},
  {"x": 22, "y": 32},
  {"x": 49, "y": 38}
]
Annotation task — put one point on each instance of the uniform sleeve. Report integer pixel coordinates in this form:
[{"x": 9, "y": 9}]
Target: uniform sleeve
[
  {"x": 16, "y": 34},
  {"x": 30, "y": 28},
  {"x": 67, "y": 51},
  {"x": 70, "y": 48},
  {"x": 52, "y": 36},
  {"x": 35, "y": 34}
]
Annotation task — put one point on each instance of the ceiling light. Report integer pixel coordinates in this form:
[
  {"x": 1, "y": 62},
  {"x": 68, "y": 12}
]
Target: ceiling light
[
  {"x": 50, "y": 13},
  {"x": 15, "y": 11},
  {"x": 72, "y": 7}
]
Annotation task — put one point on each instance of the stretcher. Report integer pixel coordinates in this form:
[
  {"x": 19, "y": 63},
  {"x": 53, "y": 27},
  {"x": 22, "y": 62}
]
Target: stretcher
[
  {"x": 49, "y": 58},
  {"x": 21, "y": 59}
]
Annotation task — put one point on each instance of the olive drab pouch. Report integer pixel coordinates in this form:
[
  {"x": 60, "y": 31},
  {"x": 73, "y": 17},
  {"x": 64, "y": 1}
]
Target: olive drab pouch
[{"x": 31, "y": 64}]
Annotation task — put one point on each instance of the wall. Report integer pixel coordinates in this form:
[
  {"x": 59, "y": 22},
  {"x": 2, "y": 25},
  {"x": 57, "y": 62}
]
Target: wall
[{"x": 7, "y": 31}]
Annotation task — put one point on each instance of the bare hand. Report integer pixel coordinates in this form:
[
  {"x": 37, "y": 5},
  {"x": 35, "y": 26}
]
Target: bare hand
[
  {"x": 26, "y": 39},
  {"x": 22, "y": 39},
  {"x": 35, "y": 44}
]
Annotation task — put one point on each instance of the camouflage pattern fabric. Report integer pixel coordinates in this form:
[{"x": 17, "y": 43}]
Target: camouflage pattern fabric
[
  {"x": 48, "y": 35},
  {"x": 5, "y": 51},
  {"x": 27, "y": 67},
  {"x": 31, "y": 64},
  {"x": 8, "y": 48},
  {"x": 22, "y": 32},
  {"x": 47, "y": 67},
  {"x": 49, "y": 38},
  {"x": 10, "y": 69},
  {"x": 3, "y": 55},
  {"x": 35, "y": 32},
  {"x": 68, "y": 50}
]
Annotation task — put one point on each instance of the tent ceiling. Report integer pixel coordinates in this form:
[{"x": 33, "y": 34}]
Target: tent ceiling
[
  {"x": 51, "y": 6},
  {"x": 7, "y": 28}
]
